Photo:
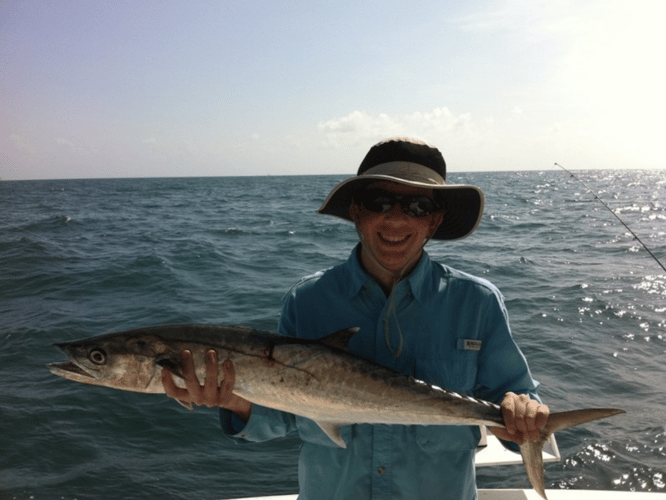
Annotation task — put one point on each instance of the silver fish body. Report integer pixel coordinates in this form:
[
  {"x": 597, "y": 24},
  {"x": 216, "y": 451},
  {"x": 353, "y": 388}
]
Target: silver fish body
[{"x": 320, "y": 380}]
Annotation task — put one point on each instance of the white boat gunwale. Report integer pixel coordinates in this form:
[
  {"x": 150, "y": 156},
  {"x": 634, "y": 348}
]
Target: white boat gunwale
[{"x": 491, "y": 452}]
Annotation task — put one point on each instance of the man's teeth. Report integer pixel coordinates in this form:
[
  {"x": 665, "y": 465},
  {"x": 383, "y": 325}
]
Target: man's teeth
[{"x": 394, "y": 239}]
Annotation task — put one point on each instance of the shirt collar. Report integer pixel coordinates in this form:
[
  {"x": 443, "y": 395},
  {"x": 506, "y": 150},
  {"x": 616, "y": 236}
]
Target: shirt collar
[
  {"x": 417, "y": 281},
  {"x": 419, "y": 278},
  {"x": 356, "y": 276}
]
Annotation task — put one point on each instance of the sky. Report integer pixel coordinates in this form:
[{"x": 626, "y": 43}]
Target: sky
[{"x": 143, "y": 88}]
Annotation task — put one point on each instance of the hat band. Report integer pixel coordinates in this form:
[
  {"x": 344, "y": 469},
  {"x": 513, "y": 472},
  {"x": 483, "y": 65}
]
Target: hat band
[{"x": 407, "y": 171}]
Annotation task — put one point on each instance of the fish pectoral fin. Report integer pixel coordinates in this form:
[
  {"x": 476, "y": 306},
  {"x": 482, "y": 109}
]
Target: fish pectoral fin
[
  {"x": 332, "y": 430},
  {"x": 171, "y": 364},
  {"x": 185, "y": 404}
]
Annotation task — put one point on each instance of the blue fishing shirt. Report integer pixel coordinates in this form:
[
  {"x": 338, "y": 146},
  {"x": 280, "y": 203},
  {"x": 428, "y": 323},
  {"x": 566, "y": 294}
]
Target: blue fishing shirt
[{"x": 451, "y": 330}]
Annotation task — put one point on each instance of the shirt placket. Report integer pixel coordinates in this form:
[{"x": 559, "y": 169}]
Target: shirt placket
[
  {"x": 390, "y": 319},
  {"x": 383, "y": 439},
  {"x": 382, "y": 463}
]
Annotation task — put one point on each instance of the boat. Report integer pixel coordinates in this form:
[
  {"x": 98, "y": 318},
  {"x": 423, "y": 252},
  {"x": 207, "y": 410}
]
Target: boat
[
  {"x": 533, "y": 495},
  {"x": 491, "y": 453}
]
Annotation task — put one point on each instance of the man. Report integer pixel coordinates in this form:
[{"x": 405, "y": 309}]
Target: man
[{"x": 415, "y": 316}]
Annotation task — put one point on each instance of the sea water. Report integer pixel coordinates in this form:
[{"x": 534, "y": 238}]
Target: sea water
[{"x": 587, "y": 305}]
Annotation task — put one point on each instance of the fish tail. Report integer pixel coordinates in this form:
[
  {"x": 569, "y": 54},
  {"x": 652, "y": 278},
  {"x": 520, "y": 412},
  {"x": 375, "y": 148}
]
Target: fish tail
[{"x": 532, "y": 451}]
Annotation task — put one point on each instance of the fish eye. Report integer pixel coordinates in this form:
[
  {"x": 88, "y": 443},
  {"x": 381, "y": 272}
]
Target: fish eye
[{"x": 97, "y": 356}]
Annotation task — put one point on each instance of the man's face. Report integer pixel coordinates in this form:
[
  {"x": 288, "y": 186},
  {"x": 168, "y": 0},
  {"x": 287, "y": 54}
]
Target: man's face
[{"x": 392, "y": 241}]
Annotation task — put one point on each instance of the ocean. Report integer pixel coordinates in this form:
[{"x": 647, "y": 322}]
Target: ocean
[{"x": 83, "y": 257}]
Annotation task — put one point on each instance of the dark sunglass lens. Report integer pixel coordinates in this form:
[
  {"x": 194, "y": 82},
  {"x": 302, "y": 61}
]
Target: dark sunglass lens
[
  {"x": 376, "y": 200},
  {"x": 421, "y": 207},
  {"x": 380, "y": 201},
  {"x": 379, "y": 204}
]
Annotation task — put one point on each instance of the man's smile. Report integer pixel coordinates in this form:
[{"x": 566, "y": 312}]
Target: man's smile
[{"x": 393, "y": 240}]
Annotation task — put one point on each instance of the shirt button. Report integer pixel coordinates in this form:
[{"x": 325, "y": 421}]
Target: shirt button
[{"x": 381, "y": 471}]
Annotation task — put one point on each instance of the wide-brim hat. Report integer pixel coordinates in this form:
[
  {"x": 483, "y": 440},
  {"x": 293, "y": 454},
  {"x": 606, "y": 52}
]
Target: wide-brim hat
[{"x": 412, "y": 163}]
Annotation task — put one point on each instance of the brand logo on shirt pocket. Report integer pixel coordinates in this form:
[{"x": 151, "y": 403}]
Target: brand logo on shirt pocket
[{"x": 469, "y": 344}]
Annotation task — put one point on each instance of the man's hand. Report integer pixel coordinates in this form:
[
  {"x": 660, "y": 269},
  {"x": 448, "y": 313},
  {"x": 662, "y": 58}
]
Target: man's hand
[
  {"x": 210, "y": 394},
  {"x": 523, "y": 417}
]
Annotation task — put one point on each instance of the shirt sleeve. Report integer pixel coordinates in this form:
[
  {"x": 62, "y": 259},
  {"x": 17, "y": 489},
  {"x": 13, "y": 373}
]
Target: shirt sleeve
[
  {"x": 502, "y": 366},
  {"x": 264, "y": 424}
]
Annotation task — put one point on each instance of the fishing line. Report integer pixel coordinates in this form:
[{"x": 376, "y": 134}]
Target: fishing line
[{"x": 616, "y": 216}]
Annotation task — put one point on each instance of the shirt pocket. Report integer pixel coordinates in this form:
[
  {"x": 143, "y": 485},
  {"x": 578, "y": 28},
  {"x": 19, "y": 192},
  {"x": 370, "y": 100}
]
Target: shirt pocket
[{"x": 453, "y": 369}]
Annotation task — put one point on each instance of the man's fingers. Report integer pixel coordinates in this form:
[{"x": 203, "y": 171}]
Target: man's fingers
[
  {"x": 503, "y": 434},
  {"x": 191, "y": 381},
  {"x": 211, "y": 394},
  {"x": 534, "y": 418},
  {"x": 211, "y": 390},
  {"x": 228, "y": 383},
  {"x": 523, "y": 417},
  {"x": 542, "y": 416},
  {"x": 170, "y": 387},
  {"x": 509, "y": 413}
]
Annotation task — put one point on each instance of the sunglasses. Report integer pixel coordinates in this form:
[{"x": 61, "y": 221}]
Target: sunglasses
[{"x": 380, "y": 201}]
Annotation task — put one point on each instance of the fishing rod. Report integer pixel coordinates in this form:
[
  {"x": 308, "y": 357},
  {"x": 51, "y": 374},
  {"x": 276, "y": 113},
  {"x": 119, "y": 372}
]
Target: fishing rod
[{"x": 613, "y": 212}]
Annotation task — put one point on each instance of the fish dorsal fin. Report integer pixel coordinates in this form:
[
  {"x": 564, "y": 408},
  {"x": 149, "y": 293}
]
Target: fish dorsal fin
[
  {"x": 332, "y": 430},
  {"x": 340, "y": 339}
]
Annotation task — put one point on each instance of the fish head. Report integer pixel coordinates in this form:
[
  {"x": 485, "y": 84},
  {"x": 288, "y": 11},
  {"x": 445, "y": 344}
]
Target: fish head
[{"x": 116, "y": 360}]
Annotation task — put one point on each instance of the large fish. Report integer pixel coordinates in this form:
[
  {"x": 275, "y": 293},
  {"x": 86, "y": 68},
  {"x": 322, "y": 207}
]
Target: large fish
[{"x": 317, "y": 379}]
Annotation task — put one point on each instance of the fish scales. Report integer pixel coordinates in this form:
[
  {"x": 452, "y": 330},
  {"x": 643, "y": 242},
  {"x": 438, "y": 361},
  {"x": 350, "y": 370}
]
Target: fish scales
[{"x": 355, "y": 390}]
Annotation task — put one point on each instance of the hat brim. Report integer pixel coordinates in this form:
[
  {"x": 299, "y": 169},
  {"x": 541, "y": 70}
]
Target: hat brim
[{"x": 463, "y": 204}]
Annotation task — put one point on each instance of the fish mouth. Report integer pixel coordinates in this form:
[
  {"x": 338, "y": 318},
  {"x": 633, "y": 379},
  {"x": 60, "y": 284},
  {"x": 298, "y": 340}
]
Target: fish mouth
[{"x": 68, "y": 369}]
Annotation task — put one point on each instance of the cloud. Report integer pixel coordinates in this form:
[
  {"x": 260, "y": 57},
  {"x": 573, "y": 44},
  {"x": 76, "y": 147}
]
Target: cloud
[
  {"x": 433, "y": 126},
  {"x": 539, "y": 19},
  {"x": 357, "y": 123},
  {"x": 76, "y": 150},
  {"x": 19, "y": 142}
]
